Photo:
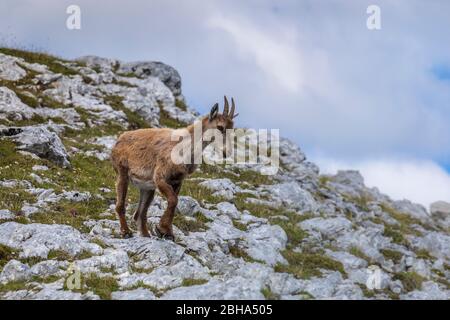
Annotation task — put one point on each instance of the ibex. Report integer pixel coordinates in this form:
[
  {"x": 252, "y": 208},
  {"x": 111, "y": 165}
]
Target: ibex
[{"x": 144, "y": 157}]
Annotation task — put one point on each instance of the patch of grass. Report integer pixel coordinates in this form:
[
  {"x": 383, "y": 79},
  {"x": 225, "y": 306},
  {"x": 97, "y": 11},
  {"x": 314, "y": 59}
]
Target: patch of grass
[
  {"x": 411, "y": 280},
  {"x": 406, "y": 221},
  {"x": 239, "y": 225},
  {"x": 100, "y": 243},
  {"x": 269, "y": 295},
  {"x": 304, "y": 265},
  {"x": 48, "y": 102},
  {"x": 35, "y": 119},
  {"x": 14, "y": 286},
  {"x": 101, "y": 286},
  {"x": 65, "y": 256},
  {"x": 17, "y": 85},
  {"x": 166, "y": 121},
  {"x": 189, "y": 225},
  {"x": 201, "y": 194},
  {"x": 181, "y": 104},
  {"x": 123, "y": 83},
  {"x": 294, "y": 233},
  {"x": 53, "y": 63},
  {"x": 219, "y": 171},
  {"x": 444, "y": 282},
  {"x": 323, "y": 180},
  {"x": 188, "y": 282},
  {"x": 14, "y": 198},
  {"x": 127, "y": 74},
  {"x": 6, "y": 254},
  {"x": 259, "y": 210},
  {"x": 26, "y": 285},
  {"x": 395, "y": 234},
  {"x": 362, "y": 202},
  {"x": 238, "y": 252},
  {"x": 28, "y": 99},
  {"x": 135, "y": 121},
  {"x": 393, "y": 255},
  {"x": 358, "y": 253},
  {"x": 424, "y": 254}
]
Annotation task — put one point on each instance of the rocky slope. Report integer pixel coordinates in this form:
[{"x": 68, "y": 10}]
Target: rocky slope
[{"x": 239, "y": 234}]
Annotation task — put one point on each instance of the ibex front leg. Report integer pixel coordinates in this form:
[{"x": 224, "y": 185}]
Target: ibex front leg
[
  {"x": 165, "y": 224},
  {"x": 121, "y": 198}
]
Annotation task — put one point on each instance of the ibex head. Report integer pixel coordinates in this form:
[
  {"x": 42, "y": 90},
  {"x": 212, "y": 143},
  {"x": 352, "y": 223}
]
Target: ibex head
[{"x": 223, "y": 121}]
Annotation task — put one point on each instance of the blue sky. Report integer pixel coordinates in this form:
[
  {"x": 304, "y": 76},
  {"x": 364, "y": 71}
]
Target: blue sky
[{"x": 377, "y": 101}]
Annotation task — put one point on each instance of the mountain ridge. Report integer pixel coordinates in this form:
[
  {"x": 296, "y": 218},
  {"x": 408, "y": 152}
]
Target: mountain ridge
[{"x": 240, "y": 234}]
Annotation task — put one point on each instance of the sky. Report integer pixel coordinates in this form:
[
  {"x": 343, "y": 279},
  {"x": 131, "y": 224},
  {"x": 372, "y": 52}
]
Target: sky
[{"x": 352, "y": 98}]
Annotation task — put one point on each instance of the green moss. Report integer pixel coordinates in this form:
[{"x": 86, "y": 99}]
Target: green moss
[
  {"x": 393, "y": 255},
  {"x": 304, "y": 265},
  {"x": 188, "y": 282},
  {"x": 269, "y": 295},
  {"x": 53, "y": 63},
  {"x": 411, "y": 280}
]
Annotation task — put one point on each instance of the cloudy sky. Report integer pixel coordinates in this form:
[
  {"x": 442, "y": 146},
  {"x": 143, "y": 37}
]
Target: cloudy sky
[{"x": 373, "y": 100}]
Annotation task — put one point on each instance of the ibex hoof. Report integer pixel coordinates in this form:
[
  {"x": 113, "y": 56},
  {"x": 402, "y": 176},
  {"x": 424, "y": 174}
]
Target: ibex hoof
[
  {"x": 126, "y": 234},
  {"x": 166, "y": 236}
]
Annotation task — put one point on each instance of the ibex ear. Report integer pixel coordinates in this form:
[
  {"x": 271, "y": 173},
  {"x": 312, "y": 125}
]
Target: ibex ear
[{"x": 214, "y": 112}]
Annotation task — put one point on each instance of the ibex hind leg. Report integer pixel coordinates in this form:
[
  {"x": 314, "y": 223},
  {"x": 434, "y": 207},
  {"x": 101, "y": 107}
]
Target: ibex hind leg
[
  {"x": 140, "y": 216},
  {"x": 121, "y": 197}
]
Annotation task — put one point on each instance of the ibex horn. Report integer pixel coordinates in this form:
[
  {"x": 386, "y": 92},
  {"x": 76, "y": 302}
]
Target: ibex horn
[
  {"x": 225, "y": 107},
  {"x": 233, "y": 106}
]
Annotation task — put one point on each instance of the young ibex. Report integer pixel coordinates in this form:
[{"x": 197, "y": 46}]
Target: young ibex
[{"x": 144, "y": 157}]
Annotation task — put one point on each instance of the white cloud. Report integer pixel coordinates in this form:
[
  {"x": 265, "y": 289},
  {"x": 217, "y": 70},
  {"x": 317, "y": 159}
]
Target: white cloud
[
  {"x": 274, "y": 52},
  {"x": 423, "y": 182},
  {"x": 310, "y": 68}
]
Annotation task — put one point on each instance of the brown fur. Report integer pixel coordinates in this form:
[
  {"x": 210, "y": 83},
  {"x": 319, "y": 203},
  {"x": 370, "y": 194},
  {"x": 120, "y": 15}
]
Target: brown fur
[{"x": 144, "y": 157}]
